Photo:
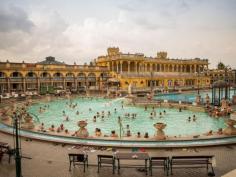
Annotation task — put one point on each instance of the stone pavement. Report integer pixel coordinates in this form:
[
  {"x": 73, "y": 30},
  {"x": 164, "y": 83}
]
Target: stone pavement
[{"x": 51, "y": 160}]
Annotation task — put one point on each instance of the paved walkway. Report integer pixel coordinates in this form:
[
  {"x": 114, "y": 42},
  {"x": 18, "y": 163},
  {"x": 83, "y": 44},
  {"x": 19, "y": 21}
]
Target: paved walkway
[{"x": 51, "y": 160}]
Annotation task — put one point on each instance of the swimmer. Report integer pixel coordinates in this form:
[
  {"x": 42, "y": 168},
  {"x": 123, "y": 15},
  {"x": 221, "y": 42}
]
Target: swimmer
[
  {"x": 77, "y": 112},
  {"x": 194, "y": 118},
  {"x": 62, "y": 127},
  {"x": 151, "y": 116},
  {"x": 145, "y": 109},
  {"x": 108, "y": 113},
  {"x": 115, "y": 110},
  {"x": 58, "y": 130},
  {"x": 52, "y": 128},
  {"x": 189, "y": 119},
  {"x": 154, "y": 113},
  {"x": 41, "y": 127},
  {"x": 220, "y": 131},
  {"x": 138, "y": 135},
  {"x": 128, "y": 133},
  {"x": 113, "y": 134},
  {"x": 160, "y": 115},
  {"x": 164, "y": 111},
  {"x": 209, "y": 133},
  {"x": 180, "y": 110},
  {"x": 133, "y": 116},
  {"x": 90, "y": 109},
  {"x": 146, "y": 135},
  {"x": 66, "y": 131},
  {"x": 98, "y": 132},
  {"x": 67, "y": 118},
  {"x": 94, "y": 119}
]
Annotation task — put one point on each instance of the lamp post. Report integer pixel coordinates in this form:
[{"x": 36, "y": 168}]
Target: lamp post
[
  {"x": 17, "y": 148},
  {"x": 120, "y": 125},
  {"x": 226, "y": 70},
  {"x": 198, "y": 89}
]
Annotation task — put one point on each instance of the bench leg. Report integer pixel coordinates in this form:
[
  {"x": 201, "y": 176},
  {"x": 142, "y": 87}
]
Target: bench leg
[
  {"x": 167, "y": 169},
  {"x": 98, "y": 166},
  {"x": 146, "y": 167},
  {"x": 113, "y": 168},
  {"x": 212, "y": 169},
  {"x": 70, "y": 166},
  {"x": 150, "y": 169},
  {"x": 118, "y": 166}
]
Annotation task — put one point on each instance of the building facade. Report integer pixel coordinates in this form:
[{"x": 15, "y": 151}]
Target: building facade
[
  {"x": 23, "y": 77},
  {"x": 159, "y": 71},
  {"x": 116, "y": 69}
]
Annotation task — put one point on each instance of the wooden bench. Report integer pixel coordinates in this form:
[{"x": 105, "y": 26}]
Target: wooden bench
[
  {"x": 77, "y": 159},
  {"x": 200, "y": 161},
  {"x": 109, "y": 160},
  {"x": 6, "y": 149},
  {"x": 159, "y": 162}
]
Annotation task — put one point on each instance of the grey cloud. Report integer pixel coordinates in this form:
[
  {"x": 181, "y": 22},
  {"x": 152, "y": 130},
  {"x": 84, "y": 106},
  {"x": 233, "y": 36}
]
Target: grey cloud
[{"x": 13, "y": 18}]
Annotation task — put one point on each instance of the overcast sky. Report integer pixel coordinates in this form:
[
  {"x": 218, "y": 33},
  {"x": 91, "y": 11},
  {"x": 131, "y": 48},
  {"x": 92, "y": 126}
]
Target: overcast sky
[{"x": 79, "y": 31}]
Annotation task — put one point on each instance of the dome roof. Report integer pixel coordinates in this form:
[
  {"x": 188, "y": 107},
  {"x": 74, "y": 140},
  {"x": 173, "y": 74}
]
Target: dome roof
[{"x": 220, "y": 83}]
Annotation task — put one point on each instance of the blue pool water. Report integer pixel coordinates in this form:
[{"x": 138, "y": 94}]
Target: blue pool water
[
  {"x": 177, "y": 122},
  {"x": 187, "y": 96}
]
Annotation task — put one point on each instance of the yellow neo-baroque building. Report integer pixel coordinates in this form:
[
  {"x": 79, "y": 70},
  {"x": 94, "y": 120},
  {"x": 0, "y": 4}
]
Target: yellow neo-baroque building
[
  {"x": 115, "y": 70},
  {"x": 50, "y": 74},
  {"x": 156, "y": 72}
]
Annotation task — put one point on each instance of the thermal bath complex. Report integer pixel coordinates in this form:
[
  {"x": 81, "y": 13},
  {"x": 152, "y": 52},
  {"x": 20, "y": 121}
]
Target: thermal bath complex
[{"x": 118, "y": 97}]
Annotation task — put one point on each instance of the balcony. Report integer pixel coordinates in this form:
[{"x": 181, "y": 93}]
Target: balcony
[
  {"x": 31, "y": 79},
  {"x": 81, "y": 79},
  {"x": 45, "y": 79},
  {"x": 16, "y": 79},
  {"x": 91, "y": 79},
  {"x": 70, "y": 78},
  {"x": 60, "y": 79},
  {"x": 3, "y": 79}
]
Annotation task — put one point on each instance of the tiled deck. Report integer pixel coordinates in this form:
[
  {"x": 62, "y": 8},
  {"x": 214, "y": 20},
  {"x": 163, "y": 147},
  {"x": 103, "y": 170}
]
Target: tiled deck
[{"x": 50, "y": 160}]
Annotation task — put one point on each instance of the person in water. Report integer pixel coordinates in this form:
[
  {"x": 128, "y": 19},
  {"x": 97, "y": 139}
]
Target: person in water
[{"x": 94, "y": 119}]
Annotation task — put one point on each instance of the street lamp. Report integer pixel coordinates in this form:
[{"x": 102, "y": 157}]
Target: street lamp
[
  {"x": 198, "y": 74},
  {"x": 120, "y": 125},
  {"x": 227, "y": 69},
  {"x": 17, "y": 149}
]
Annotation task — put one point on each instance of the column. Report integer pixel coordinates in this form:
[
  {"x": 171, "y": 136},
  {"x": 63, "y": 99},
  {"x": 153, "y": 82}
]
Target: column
[
  {"x": 121, "y": 70},
  {"x": 195, "y": 68},
  {"x": 150, "y": 67},
  {"x": 76, "y": 83},
  {"x": 8, "y": 85},
  {"x": 136, "y": 66},
  {"x": 64, "y": 83},
  {"x": 38, "y": 84},
  {"x": 109, "y": 66},
  {"x": 24, "y": 85},
  {"x": 112, "y": 66},
  {"x": 117, "y": 67},
  {"x": 128, "y": 66}
]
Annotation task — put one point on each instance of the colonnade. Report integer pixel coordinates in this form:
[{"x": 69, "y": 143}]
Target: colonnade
[{"x": 135, "y": 66}]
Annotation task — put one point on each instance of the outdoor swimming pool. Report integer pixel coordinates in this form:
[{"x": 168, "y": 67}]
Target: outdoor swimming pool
[
  {"x": 177, "y": 122},
  {"x": 186, "y": 96}
]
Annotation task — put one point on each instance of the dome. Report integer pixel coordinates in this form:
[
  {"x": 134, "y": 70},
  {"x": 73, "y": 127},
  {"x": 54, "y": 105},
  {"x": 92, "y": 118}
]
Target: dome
[{"x": 220, "y": 83}]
